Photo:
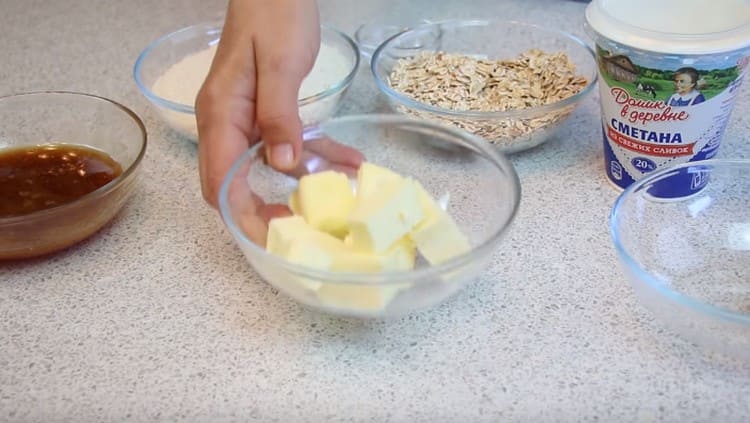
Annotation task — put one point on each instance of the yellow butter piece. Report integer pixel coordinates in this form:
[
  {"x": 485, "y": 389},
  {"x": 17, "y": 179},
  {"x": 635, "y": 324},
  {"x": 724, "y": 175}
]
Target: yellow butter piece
[
  {"x": 379, "y": 229},
  {"x": 304, "y": 253},
  {"x": 437, "y": 237},
  {"x": 313, "y": 249},
  {"x": 282, "y": 231},
  {"x": 293, "y": 203},
  {"x": 367, "y": 297},
  {"x": 401, "y": 256},
  {"x": 352, "y": 261},
  {"x": 325, "y": 199},
  {"x": 385, "y": 216},
  {"x": 359, "y": 297},
  {"x": 292, "y": 238},
  {"x": 370, "y": 177},
  {"x": 295, "y": 240}
]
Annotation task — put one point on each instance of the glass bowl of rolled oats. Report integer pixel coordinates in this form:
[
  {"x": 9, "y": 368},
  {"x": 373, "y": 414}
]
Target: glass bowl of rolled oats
[{"x": 511, "y": 83}]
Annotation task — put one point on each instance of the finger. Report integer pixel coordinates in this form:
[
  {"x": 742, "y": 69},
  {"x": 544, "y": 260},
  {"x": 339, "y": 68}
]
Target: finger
[
  {"x": 271, "y": 211},
  {"x": 239, "y": 197},
  {"x": 245, "y": 207},
  {"x": 311, "y": 162},
  {"x": 219, "y": 146},
  {"x": 278, "y": 118},
  {"x": 335, "y": 152},
  {"x": 280, "y": 75},
  {"x": 254, "y": 223},
  {"x": 254, "y": 227},
  {"x": 224, "y": 110}
]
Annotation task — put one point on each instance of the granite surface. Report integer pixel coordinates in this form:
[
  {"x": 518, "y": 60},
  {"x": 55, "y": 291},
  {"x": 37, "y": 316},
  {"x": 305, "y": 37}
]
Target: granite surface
[{"x": 159, "y": 317}]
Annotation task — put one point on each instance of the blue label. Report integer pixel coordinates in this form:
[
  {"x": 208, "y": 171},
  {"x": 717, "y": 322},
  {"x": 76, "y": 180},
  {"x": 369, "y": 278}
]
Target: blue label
[{"x": 688, "y": 181}]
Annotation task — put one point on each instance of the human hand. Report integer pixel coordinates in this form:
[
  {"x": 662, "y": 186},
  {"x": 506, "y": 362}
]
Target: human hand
[{"x": 266, "y": 50}]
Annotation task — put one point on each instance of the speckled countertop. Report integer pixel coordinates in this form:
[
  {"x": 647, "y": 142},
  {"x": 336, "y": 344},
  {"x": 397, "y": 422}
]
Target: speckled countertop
[{"x": 159, "y": 317}]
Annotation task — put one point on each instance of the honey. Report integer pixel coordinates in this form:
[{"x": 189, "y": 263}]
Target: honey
[{"x": 44, "y": 176}]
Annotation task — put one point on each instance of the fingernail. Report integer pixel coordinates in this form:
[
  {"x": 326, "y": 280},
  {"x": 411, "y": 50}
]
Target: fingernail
[{"x": 282, "y": 155}]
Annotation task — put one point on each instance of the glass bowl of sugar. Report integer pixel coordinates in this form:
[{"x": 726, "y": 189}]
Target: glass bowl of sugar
[{"x": 170, "y": 71}]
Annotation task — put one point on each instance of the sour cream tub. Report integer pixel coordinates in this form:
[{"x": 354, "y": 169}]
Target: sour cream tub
[{"x": 670, "y": 71}]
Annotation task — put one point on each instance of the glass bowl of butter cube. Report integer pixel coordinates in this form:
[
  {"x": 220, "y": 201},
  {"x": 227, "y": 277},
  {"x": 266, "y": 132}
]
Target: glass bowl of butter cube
[{"x": 404, "y": 230}]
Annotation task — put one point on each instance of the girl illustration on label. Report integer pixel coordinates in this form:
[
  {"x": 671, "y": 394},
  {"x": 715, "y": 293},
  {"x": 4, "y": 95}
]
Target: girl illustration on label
[{"x": 686, "y": 88}]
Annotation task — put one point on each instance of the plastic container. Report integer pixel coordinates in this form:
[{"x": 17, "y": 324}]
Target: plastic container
[{"x": 669, "y": 74}]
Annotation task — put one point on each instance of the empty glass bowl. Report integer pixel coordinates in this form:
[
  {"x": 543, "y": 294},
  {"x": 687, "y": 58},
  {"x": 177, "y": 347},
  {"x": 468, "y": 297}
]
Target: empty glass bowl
[
  {"x": 370, "y": 35},
  {"x": 689, "y": 258},
  {"x": 478, "y": 184}
]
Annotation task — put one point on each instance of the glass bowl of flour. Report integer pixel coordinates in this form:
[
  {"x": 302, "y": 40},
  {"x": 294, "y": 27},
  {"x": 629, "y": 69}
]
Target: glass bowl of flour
[{"x": 170, "y": 71}]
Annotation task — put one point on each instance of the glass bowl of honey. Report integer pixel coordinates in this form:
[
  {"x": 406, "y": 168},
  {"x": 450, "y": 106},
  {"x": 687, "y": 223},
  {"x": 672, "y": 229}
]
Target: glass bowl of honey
[{"x": 68, "y": 163}]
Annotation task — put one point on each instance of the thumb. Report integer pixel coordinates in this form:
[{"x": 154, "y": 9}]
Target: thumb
[{"x": 277, "y": 113}]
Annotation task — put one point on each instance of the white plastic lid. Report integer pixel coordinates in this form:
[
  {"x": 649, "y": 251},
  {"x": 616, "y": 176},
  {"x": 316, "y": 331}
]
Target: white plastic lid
[{"x": 673, "y": 26}]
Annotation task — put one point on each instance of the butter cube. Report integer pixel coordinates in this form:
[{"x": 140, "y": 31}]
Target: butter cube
[
  {"x": 359, "y": 297},
  {"x": 292, "y": 238},
  {"x": 325, "y": 200},
  {"x": 353, "y": 261},
  {"x": 315, "y": 249},
  {"x": 294, "y": 203},
  {"x": 371, "y": 177},
  {"x": 304, "y": 252},
  {"x": 384, "y": 217},
  {"x": 378, "y": 229},
  {"x": 437, "y": 238},
  {"x": 282, "y": 231},
  {"x": 402, "y": 255},
  {"x": 399, "y": 257}
]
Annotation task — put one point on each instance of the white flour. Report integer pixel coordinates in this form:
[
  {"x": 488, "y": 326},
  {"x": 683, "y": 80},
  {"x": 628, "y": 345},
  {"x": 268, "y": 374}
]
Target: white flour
[
  {"x": 331, "y": 66},
  {"x": 181, "y": 82}
]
